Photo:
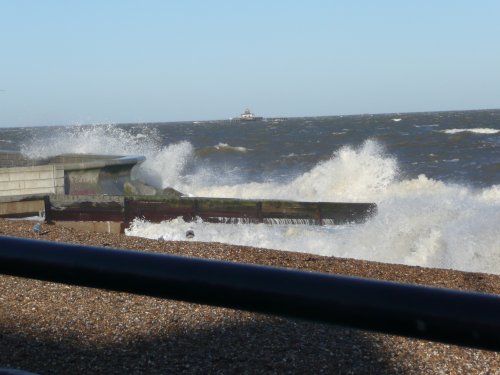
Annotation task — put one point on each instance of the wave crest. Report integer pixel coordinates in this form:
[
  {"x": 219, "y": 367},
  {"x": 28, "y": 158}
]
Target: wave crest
[
  {"x": 351, "y": 174},
  {"x": 472, "y": 130}
]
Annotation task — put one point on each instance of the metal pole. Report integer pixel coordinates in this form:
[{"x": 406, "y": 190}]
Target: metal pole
[{"x": 462, "y": 318}]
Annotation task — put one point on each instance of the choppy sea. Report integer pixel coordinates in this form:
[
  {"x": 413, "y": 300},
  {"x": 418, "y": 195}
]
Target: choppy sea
[{"x": 434, "y": 176}]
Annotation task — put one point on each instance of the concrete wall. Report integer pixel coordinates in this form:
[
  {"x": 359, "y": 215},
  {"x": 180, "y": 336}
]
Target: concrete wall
[
  {"x": 21, "y": 208},
  {"x": 42, "y": 179},
  {"x": 65, "y": 174}
]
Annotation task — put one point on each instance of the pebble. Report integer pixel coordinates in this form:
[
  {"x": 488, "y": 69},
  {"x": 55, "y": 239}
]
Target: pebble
[{"x": 50, "y": 328}]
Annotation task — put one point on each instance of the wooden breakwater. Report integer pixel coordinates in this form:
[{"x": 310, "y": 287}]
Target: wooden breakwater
[
  {"x": 115, "y": 213},
  {"x": 251, "y": 211},
  {"x": 67, "y": 208}
]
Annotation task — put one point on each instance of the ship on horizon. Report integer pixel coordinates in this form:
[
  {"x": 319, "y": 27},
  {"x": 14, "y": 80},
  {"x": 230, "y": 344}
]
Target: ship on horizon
[{"x": 249, "y": 116}]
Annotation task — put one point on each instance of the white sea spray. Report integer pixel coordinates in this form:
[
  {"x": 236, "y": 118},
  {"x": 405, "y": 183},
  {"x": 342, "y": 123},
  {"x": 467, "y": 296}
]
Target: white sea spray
[{"x": 420, "y": 221}]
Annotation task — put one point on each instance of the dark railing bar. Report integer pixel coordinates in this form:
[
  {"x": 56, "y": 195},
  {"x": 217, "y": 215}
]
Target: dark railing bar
[{"x": 462, "y": 318}]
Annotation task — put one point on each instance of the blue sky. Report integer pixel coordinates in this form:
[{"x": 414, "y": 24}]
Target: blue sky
[{"x": 81, "y": 62}]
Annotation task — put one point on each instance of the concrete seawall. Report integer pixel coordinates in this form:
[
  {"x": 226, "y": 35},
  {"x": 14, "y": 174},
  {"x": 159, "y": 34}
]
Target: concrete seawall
[
  {"x": 25, "y": 184},
  {"x": 65, "y": 174},
  {"x": 41, "y": 179}
]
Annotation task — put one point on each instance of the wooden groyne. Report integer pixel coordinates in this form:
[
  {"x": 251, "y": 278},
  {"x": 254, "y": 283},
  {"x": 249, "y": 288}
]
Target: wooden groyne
[
  {"x": 229, "y": 210},
  {"x": 123, "y": 209}
]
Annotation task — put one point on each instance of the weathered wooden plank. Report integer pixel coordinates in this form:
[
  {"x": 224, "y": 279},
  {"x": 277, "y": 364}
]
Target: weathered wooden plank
[
  {"x": 289, "y": 209},
  {"x": 88, "y": 213},
  {"x": 157, "y": 209},
  {"x": 73, "y": 208},
  {"x": 213, "y": 208}
]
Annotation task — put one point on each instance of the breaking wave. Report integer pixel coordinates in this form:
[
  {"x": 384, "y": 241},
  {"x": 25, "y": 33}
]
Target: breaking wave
[
  {"x": 349, "y": 175},
  {"x": 473, "y": 130},
  {"x": 420, "y": 221}
]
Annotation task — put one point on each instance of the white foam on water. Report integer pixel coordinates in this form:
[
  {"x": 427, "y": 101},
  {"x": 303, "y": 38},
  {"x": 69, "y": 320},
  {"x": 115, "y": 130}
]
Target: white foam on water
[
  {"x": 420, "y": 221},
  {"x": 426, "y": 126},
  {"x": 226, "y": 147},
  {"x": 285, "y": 237},
  {"x": 472, "y": 130},
  {"x": 491, "y": 194},
  {"x": 428, "y": 223},
  {"x": 349, "y": 175}
]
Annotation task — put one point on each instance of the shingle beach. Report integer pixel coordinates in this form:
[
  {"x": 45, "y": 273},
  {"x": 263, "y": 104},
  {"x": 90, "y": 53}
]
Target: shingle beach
[{"x": 50, "y": 328}]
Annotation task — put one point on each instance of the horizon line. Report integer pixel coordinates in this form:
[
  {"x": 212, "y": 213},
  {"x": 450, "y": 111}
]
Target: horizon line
[{"x": 263, "y": 117}]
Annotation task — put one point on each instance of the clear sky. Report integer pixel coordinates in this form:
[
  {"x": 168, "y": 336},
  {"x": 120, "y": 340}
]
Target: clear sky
[{"x": 99, "y": 61}]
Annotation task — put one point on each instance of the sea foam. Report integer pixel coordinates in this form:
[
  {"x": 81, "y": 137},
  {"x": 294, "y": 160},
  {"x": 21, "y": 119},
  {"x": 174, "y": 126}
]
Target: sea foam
[
  {"x": 351, "y": 174},
  {"x": 472, "y": 130},
  {"x": 420, "y": 221}
]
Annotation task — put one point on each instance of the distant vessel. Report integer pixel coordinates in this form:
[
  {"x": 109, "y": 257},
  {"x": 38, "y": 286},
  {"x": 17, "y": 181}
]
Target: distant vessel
[{"x": 249, "y": 116}]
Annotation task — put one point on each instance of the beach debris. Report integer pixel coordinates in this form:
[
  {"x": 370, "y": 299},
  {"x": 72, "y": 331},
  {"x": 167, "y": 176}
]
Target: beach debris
[
  {"x": 190, "y": 233},
  {"x": 37, "y": 228}
]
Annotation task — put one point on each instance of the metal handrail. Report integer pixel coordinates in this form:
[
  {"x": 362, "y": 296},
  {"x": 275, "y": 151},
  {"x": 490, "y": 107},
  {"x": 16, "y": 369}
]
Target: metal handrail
[{"x": 462, "y": 318}]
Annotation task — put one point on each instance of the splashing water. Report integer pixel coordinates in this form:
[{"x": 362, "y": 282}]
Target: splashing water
[
  {"x": 162, "y": 168},
  {"x": 350, "y": 175},
  {"x": 95, "y": 139},
  {"x": 420, "y": 221}
]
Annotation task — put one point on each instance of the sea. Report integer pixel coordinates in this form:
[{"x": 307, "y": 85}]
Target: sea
[{"x": 434, "y": 176}]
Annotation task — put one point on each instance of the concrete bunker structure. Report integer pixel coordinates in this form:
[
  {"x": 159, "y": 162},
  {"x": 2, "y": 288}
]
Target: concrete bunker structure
[
  {"x": 25, "y": 183},
  {"x": 75, "y": 174}
]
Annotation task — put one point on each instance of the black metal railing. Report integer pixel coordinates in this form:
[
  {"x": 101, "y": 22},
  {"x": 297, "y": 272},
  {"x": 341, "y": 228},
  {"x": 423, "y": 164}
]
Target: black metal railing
[{"x": 462, "y": 318}]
